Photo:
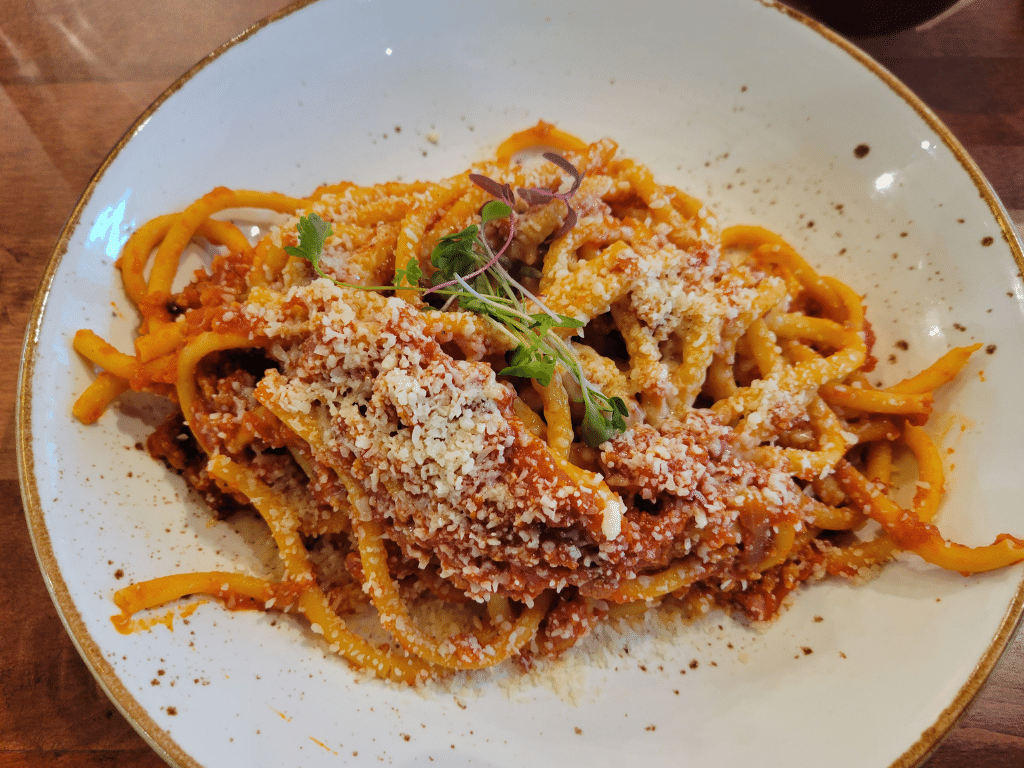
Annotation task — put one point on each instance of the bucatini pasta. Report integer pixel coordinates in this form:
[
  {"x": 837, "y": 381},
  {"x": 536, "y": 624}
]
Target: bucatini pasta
[{"x": 683, "y": 416}]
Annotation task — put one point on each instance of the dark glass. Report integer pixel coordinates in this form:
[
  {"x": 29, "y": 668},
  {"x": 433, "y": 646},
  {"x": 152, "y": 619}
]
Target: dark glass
[{"x": 858, "y": 18}]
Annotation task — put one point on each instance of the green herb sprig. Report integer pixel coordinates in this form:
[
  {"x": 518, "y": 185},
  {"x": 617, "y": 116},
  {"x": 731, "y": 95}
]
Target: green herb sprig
[
  {"x": 498, "y": 297},
  {"x": 471, "y": 275},
  {"x": 313, "y": 233}
]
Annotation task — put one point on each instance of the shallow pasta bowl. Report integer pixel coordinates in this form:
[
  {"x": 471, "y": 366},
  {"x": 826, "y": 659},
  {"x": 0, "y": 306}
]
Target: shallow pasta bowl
[{"x": 765, "y": 116}]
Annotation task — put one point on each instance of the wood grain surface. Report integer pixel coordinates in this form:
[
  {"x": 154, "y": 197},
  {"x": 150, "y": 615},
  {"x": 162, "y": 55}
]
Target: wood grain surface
[{"x": 74, "y": 74}]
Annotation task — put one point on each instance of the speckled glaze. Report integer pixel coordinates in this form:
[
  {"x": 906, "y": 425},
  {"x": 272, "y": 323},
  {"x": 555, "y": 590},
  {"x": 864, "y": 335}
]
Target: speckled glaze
[{"x": 764, "y": 115}]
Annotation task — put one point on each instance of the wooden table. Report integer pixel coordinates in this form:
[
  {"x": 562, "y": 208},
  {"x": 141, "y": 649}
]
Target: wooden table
[{"x": 74, "y": 76}]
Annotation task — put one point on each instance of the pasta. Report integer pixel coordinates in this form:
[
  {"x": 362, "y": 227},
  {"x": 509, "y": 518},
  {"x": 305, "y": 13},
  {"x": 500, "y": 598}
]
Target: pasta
[{"x": 412, "y": 456}]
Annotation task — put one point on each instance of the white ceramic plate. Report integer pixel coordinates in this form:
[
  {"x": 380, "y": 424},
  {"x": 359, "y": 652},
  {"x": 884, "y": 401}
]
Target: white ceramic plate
[{"x": 741, "y": 103}]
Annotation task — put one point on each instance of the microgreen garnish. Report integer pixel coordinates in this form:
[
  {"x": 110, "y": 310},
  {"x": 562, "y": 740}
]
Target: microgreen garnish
[
  {"x": 472, "y": 275},
  {"x": 537, "y": 196},
  {"x": 410, "y": 276},
  {"x": 465, "y": 259},
  {"x": 313, "y": 233}
]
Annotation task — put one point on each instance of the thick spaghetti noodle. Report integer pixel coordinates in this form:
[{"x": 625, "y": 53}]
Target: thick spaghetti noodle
[{"x": 398, "y": 461}]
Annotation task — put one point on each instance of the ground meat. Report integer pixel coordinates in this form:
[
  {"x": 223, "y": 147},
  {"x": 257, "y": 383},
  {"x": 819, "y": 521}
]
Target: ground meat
[{"x": 173, "y": 443}]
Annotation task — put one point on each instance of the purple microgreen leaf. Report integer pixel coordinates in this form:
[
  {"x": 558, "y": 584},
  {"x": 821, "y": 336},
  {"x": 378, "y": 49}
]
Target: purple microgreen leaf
[
  {"x": 567, "y": 224},
  {"x": 501, "y": 191},
  {"x": 535, "y": 195},
  {"x": 569, "y": 168}
]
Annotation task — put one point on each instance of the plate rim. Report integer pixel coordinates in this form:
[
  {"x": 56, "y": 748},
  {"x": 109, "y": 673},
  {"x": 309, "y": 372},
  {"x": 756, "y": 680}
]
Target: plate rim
[{"x": 103, "y": 672}]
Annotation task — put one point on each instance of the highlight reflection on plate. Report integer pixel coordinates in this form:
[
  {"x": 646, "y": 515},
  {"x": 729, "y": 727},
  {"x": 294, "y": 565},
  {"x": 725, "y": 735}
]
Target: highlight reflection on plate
[{"x": 768, "y": 119}]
